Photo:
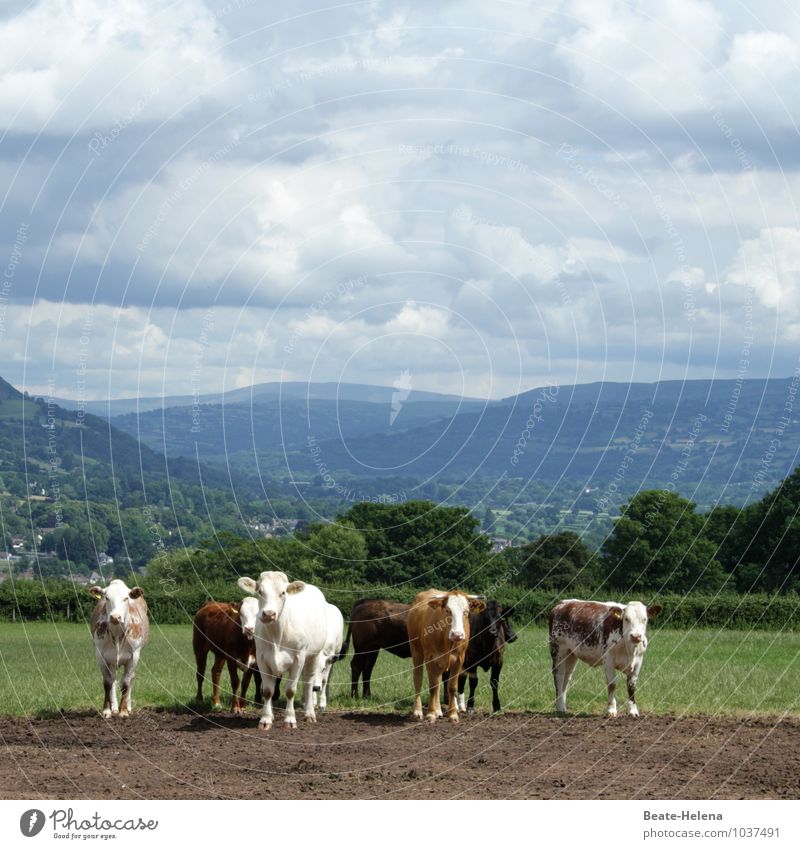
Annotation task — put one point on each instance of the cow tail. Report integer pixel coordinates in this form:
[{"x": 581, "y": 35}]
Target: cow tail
[{"x": 345, "y": 647}]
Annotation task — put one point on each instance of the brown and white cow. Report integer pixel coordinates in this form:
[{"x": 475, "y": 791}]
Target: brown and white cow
[
  {"x": 438, "y": 635},
  {"x": 599, "y": 633},
  {"x": 119, "y": 629},
  {"x": 226, "y": 630}
]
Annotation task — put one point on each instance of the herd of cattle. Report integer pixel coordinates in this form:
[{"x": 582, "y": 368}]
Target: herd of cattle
[{"x": 286, "y": 630}]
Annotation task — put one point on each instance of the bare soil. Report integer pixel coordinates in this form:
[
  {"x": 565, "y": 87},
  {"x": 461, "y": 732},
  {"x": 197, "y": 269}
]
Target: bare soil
[{"x": 165, "y": 755}]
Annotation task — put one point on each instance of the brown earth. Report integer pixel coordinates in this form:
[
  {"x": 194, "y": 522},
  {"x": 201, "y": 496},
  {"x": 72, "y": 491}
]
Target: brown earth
[{"x": 164, "y": 755}]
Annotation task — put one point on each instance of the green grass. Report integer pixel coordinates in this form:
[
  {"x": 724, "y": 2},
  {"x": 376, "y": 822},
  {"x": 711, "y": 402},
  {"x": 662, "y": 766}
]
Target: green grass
[{"x": 47, "y": 667}]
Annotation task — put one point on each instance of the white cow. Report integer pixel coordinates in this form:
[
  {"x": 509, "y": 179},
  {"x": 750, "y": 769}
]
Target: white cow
[
  {"x": 597, "y": 632},
  {"x": 332, "y": 650},
  {"x": 119, "y": 629},
  {"x": 291, "y": 637}
]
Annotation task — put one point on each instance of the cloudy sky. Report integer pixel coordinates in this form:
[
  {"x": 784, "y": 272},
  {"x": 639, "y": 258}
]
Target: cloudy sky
[{"x": 488, "y": 195}]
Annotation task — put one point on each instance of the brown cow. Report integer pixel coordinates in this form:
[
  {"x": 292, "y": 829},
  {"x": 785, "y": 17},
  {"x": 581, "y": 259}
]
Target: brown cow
[
  {"x": 375, "y": 624},
  {"x": 227, "y": 631},
  {"x": 438, "y": 634}
]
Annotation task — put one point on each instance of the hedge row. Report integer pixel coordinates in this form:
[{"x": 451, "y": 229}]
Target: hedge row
[{"x": 63, "y": 601}]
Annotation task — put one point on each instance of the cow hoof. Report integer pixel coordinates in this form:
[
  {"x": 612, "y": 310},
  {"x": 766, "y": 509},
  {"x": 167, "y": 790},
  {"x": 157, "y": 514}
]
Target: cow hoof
[
  {"x": 634, "y": 714},
  {"x": 431, "y": 718},
  {"x": 417, "y": 715},
  {"x": 264, "y": 725},
  {"x": 106, "y": 714},
  {"x": 216, "y": 706},
  {"x": 124, "y": 714},
  {"x": 612, "y": 713},
  {"x": 114, "y": 712},
  {"x": 290, "y": 724},
  {"x": 453, "y": 717},
  {"x": 311, "y": 719}
]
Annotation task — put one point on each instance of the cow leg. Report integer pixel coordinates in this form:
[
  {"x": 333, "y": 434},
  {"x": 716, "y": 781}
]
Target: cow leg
[
  {"x": 462, "y": 682},
  {"x": 126, "y": 705},
  {"x": 355, "y": 674},
  {"x": 452, "y": 706},
  {"x": 633, "y": 677},
  {"x": 267, "y": 689},
  {"x": 216, "y": 673},
  {"x": 200, "y": 657},
  {"x": 434, "y": 682},
  {"x": 247, "y": 674},
  {"x": 109, "y": 687},
  {"x": 418, "y": 672},
  {"x": 611, "y": 679},
  {"x": 312, "y": 675},
  {"x": 323, "y": 693},
  {"x": 369, "y": 665},
  {"x": 473, "y": 683},
  {"x": 289, "y": 719},
  {"x": 233, "y": 671},
  {"x": 563, "y": 667},
  {"x": 494, "y": 681}
]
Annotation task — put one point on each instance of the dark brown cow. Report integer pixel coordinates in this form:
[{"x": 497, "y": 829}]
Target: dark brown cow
[
  {"x": 226, "y": 630},
  {"x": 490, "y": 632},
  {"x": 375, "y": 624},
  {"x": 438, "y": 633}
]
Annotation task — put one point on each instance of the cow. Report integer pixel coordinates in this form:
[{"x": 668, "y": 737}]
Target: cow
[
  {"x": 228, "y": 631},
  {"x": 120, "y": 629},
  {"x": 333, "y": 650},
  {"x": 489, "y": 633},
  {"x": 291, "y": 636},
  {"x": 375, "y": 624},
  {"x": 438, "y": 634},
  {"x": 599, "y": 633}
]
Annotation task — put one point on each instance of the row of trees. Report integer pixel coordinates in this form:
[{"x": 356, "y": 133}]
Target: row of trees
[{"x": 659, "y": 543}]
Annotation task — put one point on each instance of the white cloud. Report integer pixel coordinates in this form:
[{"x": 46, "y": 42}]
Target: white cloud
[
  {"x": 770, "y": 264},
  {"x": 91, "y": 63}
]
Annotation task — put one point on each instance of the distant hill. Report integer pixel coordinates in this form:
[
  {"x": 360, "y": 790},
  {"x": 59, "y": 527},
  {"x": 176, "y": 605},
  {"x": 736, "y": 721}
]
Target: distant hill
[
  {"x": 262, "y": 392},
  {"x": 8, "y": 392},
  {"x": 615, "y": 435},
  {"x": 46, "y": 447}
]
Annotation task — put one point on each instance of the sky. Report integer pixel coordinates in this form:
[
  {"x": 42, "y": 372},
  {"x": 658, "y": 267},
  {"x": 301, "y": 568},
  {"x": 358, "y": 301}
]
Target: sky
[{"x": 489, "y": 197}]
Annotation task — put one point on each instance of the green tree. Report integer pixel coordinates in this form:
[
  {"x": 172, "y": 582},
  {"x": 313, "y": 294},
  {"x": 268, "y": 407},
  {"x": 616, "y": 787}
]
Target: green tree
[
  {"x": 421, "y": 543},
  {"x": 770, "y": 540},
  {"x": 553, "y": 561},
  {"x": 658, "y": 543},
  {"x": 339, "y": 553}
]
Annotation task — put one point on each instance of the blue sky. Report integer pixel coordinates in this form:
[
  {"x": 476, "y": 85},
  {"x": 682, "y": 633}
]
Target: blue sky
[{"x": 490, "y": 196}]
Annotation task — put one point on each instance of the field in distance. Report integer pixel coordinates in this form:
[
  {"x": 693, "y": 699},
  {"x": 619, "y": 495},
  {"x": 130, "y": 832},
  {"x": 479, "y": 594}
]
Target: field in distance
[{"x": 46, "y": 667}]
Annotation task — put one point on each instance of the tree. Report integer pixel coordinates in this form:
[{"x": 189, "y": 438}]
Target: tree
[
  {"x": 421, "y": 543},
  {"x": 658, "y": 543},
  {"x": 770, "y": 539},
  {"x": 339, "y": 552},
  {"x": 553, "y": 561}
]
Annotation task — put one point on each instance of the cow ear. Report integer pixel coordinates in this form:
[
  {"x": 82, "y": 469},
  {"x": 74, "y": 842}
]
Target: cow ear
[
  {"x": 477, "y": 605},
  {"x": 234, "y": 610},
  {"x": 295, "y": 587},
  {"x": 247, "y": 584},
  {"x": 136, "y": 592},
  {"x": 437, "y": 602},
  {"x": 654, "y": 610},
  {"x": 96, "y": 592},
  {"x": 615, "y": 613}
]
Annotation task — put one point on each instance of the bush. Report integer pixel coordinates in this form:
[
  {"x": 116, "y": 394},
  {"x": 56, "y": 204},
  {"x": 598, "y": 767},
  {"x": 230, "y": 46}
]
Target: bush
[{"x": 63, "y": 601}]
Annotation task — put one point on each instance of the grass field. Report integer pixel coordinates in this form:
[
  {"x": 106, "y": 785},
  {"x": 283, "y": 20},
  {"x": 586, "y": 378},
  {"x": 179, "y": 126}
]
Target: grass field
[{"x": 47, "y": 667}]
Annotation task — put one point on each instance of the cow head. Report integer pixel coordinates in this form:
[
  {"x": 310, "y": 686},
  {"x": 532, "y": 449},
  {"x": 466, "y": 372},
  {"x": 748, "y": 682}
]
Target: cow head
[
  {"x": 458, "y": 606},
  {"x": 272, "y": 589},
  {"x": 632, "y": 621},
  {"x": 116, "y": 598},
  {"x": 248, "y": 611}
]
